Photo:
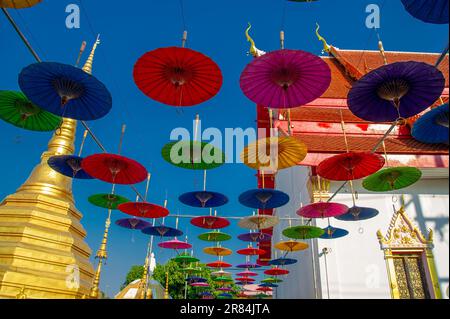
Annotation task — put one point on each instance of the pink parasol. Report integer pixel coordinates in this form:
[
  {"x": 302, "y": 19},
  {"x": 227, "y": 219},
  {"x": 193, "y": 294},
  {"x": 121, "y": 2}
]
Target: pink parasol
[
  {"x": 323, "y": 210},
  {"x": 285, "y": 79},
  {"x": 175, "y": 244},
  {"x": 200, "y": 285}
]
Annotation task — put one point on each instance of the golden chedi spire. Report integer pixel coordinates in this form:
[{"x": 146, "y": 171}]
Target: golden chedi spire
[{"x": 42, "y": 245}]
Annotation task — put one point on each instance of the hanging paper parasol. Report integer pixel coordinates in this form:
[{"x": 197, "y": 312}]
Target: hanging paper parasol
[
  {"x": 210, "y": 222},
  {"x": 283, "y": 262},
  {"x": 334, "y": 233},
  {"x": 391, "y": 179},
  {"x": 268, "y": 285},
  {"x": 225, "y": 296},
  {"x": 144, "y": 210},
  {"x": 263, "y": 289},
  {"x": 350, "y": 166},
  {"x": 303, "y": 232},
  {"x": 203, "y": 199},
  {"x": 431, "y": 11},
  {"x": 432, "y": 127},
  {"x": 276, "y": 272},
  {"x": 264, "y": 199},
  {"x": 251, "y": 252},
  {"x": 114, "y": 169},
  {"x": 223, "y": 280},
  {"x": 291, "y": 246},
  {"x": 177, "y": 76},
  {"x": 397, "y": 90},
  {"x": 196, "y": 279},
  {"x": 358, "y": 213},
  {"x": 247, "y": 273},
  {"x": 191, "y": 270},
  {"x": 162, "y": 231},
  {"x": 193, "y": 155},
  {"x": 221, "y": 273},
  {"x": 285, "y": 79},
  {"x": 107, "y": 201},
  {"x": 175, "y": 244},
  {"x": 224, "y": 289},
  {"x": 271, "y": 280},
  {"x": 255, "y": 237},
  {"x": 185, "y": 259},
  {"x": 323, "y": 210},
  {"x": 248, "y": 266},
  {"x": 218, "y": 264},
  {"x": 18, "y": 4},
  {"x": 218, "y": 251},
  {"x": 214, "y": 236},
  {"x": 65, "y": 90},
  {"x": 132, "y": 223},
  {"x": 16, "y": 109},
  {"x": 200, "y": 285},
  {"x": 68, "y": 165},
  {"x": 259, "y": 222},
  {"x": 274, "y": 153},
  {"x": 246, "y": 280}
]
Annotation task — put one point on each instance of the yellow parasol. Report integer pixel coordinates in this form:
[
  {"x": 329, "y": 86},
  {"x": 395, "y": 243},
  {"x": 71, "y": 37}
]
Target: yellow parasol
[
  {"x": 18, "y": 4},
  {"x": 259, "y": 222},
  {"x": 218, "y": 251},
  {"x": 274, "y": 153},
  {"x": 291, "y": 246}
]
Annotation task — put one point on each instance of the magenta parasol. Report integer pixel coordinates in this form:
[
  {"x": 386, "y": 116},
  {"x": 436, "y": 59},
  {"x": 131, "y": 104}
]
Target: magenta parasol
[{"x": 175, "y": 244}]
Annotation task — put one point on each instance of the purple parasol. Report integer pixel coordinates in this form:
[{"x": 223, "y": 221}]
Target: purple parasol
[
  {"x": 255, "y": 237},
  {"x": 397, "y": 90},
  {"x": 285, "y": 79},
  {"x": 132, "y": 223},
  {"x": 175, "y": 244},
  {"x": 248, "y": 266}
]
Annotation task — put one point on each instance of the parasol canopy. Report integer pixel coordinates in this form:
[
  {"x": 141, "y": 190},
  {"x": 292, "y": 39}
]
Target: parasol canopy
[
  {"x": 272, "y": 280},
  {"x": 264, "y": 198},
  {"x": 200, "y": 285},
  {"x": 268, "y": 285},
  {"x": 196, "y": 279},
  {"x": 251, "y": 252},
  {"x": 432, "y": 127},
  {"x": 175, "y": 244},
  {"x": 224, "y": 279},
  {"x": 263, "y": 289},
  {"x": 114, "y": 169},
  {"x": 247, "y": 273},
  {"x": 350, "y": 166},
  {"x": 259, "y": 222},
  {"x": 334, "y": 233},
  {"x": 18, "y": 110},
  {"x": 66, "y": 91},
  {"x": 185, "y": 259},
  {"x": 391, "y": 179},
  {"x": 285, "y": 79},
  {"x": 221, "y": 273},
  {"x": 214, "y": 236},
  {"x": 303, "y": 232},
  {"x": 108, "y": 201},
  {"x": 246, "y": 280},
  {"x": 323, "y": 210},
  {"x": 276, "y": 271},
  {"x": 397, "y": 90},
  {"x": 177, "y": 76},
  {"x": 203, "y": 199},
  {"x": 218, "y": 264},
  {"x": 162, "y": 231},
  {"x": 193, "y": 155},
  {"x": 191, "y": 270},
  {"x": 431, "y": 11},
  {"x": 210, "y": 222},
  {"x": 358, "y": 213},
  {"x": 18, "y": 4},
  {"x": 224, "y": 289},
  {"x": 274, "y": 153},
  {"x": 218, "y": 251},
  {"x": 132, "y": 223},
  {"x": 283, "y": 262},
  {"x": 255, "y": 237},
  {"x": 143, "y": 210},
  {"x": 248, "y": 266},
  {"x": 225, "y": 296},
  {"x": 291, "y": 246},
  {"x": 68, "y": 165}
]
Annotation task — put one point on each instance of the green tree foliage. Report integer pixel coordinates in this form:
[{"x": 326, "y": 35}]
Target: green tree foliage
[{"x": 136, "y": 272}]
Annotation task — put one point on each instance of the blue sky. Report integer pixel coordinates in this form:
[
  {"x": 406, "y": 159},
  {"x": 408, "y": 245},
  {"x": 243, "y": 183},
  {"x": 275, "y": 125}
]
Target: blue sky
[{"x": 216, "y": 28}]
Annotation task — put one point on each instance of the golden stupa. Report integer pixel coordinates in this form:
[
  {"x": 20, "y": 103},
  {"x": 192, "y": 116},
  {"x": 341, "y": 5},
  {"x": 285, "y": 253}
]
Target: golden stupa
[{"x": 43, "y": 254}]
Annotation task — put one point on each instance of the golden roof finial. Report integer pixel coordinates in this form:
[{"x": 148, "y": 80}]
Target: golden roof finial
[
  {"x": 166, "y": 291},
  {"x": 90, "y": 60},
  {"x": 254, "y": 51},
  {"x": 326, "y": 47}
]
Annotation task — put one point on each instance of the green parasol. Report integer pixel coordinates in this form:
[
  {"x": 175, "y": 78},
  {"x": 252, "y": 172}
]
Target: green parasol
[
  {"x": 185, "y": 259},
  {"x": 223, "y": 279},
  {"x": 215, "y": 236},
  {"x": 272, "y": 280},
  {"x": 191, "y": 270},
  {"x": 391, "y": 179},
  {"x": 108, "y": 201},
  {"x": 193, "y": 155},
  {"x": 16, "y": 109},
  {"x": 303, "y": 232}
]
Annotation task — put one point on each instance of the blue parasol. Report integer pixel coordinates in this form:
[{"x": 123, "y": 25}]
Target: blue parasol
[
  {"x": 132, "y": 223},
  {"x": 68, "y": 165},
  {"x": 283, "y": 262},
  {"x": 268, "y": 285},
  {"x": 334, "y": 233},
  {"x": 162, "y": 231},
  {"x": 65, "y": 90},
  {"x": 203, "y": 199},
  {"x": 358, "y": 213},
  {"x": 432, "y": 127},
  {"x": 264, "y": 199},
  {"x": 431, "y": 11}
]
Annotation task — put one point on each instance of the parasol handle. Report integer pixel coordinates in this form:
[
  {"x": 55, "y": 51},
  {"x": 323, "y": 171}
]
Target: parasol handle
[
  {"x": 165, "y": 203},
  {"x": 184, "y": 39},
  {"x": 124, "y": 127},
  {"x": 149, "y": 176},
  {"x": 82, "y": 143},
  {"x": 204, "y": 180},
  {"x": 282, "y": 39},
  {"x": 197, "y": 121},
  {"x": 353, "y": 193}
]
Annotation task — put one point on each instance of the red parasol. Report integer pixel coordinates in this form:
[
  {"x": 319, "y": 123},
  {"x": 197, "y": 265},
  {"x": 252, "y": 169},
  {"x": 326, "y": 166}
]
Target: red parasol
[
  {"x": 323, "y": 210},
  {"x": 276, "y": 272},
  {"x": 247, "y": 273},
  {"x": 114, "y": 169},
  {"x": 175, "y": 244},
  {"x": 350, "y": 166},
  {"x": 144, "y": 210},
  {"x": 246, "y": 280},
  {"x": 210, "y": 222},
  {"x": 251, "y": 252},
  {"x": 177, "y": 76},
  {"x": 264, "y": 289},
  {"x": 218, "y": 264}
]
